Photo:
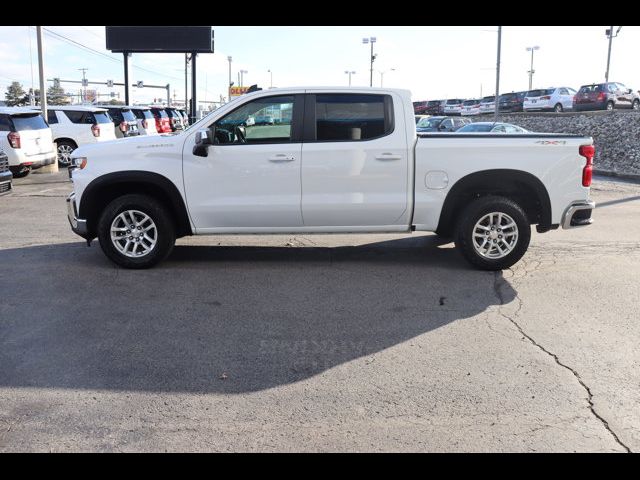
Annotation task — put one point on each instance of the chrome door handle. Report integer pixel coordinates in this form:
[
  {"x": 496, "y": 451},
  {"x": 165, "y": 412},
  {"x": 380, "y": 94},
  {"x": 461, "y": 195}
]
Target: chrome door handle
[
  {"x": 388, "y": 156},
  {"x": 281, "y": 157}
]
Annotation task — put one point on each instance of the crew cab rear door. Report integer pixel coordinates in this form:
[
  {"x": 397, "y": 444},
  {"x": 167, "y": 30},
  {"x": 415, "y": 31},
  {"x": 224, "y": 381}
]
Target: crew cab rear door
[{"x": 354, "y": 160}]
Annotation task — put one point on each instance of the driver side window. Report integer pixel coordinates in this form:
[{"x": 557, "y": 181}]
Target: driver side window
[{"x": 264, "y": 120}]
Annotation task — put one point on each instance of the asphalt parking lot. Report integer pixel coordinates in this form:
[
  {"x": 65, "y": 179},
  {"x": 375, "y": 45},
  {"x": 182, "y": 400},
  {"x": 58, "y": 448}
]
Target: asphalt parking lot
[{"x": 318, "y": 343}]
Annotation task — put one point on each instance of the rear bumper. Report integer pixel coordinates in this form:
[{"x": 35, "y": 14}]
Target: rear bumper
[
  {"x": 78, "y": 225},
  {"x": 17, "y": 158},
  {"x": 590, "y": 106},
  {"x": 578, "y": 214}
]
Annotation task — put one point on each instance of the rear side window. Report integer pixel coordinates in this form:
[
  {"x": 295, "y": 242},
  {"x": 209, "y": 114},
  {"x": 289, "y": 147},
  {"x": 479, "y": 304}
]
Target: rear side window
[
  {"x": 76, "y": 116},
  {"x": 29, "y": 122},
  {"x": 5, "y": 123},
  {"x": 352, "y": 117},
  {"x": 51, "y": 117}
]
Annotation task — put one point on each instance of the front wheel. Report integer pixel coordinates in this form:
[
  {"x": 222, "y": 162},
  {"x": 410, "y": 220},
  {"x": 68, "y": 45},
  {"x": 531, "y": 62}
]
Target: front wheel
[
  {"x": 493, "y": 233},
  {"x": 636, "y": 105},
  {"x": 136, "y": 231}
]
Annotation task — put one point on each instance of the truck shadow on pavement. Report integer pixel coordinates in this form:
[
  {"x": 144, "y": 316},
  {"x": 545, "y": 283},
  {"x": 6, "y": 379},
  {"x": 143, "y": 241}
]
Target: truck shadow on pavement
[{"x": 223, "y": 319}]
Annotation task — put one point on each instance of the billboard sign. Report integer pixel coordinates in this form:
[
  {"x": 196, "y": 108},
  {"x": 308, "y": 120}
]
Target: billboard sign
[{"x": 150, "y": 39}]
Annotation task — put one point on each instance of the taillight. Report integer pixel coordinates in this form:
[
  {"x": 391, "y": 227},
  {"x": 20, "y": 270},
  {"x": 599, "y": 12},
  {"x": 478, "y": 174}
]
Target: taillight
[
  {"x": 14, "y": 139},
  {"x": 95, "y": 129},
  {"x": 588, "y": 152},
  {"x": 124, "y": 127},
  {"x": 144, "y": 124},
  {"x": 601, "y": 96},
  {"x": 546, "y": 97}
]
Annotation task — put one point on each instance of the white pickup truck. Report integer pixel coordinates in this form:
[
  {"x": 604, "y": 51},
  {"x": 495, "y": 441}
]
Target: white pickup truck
[{"x": 334, "y": 160}]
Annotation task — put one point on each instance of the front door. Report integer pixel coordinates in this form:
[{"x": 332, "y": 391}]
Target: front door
[
  {"x": 250, "y": 179},
  {"x": 354, "y": 161}
]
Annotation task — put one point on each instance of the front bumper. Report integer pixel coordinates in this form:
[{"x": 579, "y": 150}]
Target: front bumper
[
  {"x": 5, "y": 182},
  {"x": 78, "y": 225},
  {"x": 578, "y": 214}
]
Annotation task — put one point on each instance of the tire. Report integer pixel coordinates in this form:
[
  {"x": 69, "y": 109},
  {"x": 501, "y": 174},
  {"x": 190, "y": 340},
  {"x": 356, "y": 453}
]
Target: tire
[
  {"x": 558, "y": 108},
  {"x": 636, "y": 105},
  {"x": 514, "y": 240},
  {"x": 121, "y": 209},
  {"x": 609, "y": 106},
  {"x": 65, "y": 149},
  {"x": 20, "y": 171}
]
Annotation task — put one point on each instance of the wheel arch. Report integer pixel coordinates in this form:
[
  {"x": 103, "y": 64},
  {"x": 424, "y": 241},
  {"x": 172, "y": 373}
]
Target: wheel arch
[
  {"x": 66, "y": 139},
  {"x": 104, "y": 189},
  {"x": 522, "y": 187}
]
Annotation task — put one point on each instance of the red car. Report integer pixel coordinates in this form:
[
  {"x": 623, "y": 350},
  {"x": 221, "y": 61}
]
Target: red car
[{"x": 163, "y": 124}]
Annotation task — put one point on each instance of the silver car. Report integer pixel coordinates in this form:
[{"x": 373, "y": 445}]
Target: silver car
[{"x": 556, "y": 99}]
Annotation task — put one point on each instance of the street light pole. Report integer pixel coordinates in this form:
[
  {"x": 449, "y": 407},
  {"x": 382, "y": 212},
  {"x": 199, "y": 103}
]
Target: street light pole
[
  {"x": 610, "y": 34},
  {"x": 349, "y": 72},
  {"x": 242, "y": 72},
  {"x": 382, "y": 75},
  {"x": 532, "y": 71},
  {"x": 371, "y": 40},
  {"x": 230, "y": 82},
  {"x": 497, "y": 102},
  {"x": 271, "y": 81}
]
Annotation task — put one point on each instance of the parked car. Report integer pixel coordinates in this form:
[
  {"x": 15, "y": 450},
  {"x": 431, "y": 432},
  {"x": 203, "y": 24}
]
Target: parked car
[
  {"x": 492, "y": 127},
  {"x": 76, "y": 125},
  {"x": 419, "y": 107},
  {"x": 364, "y": 171},
  {"x": 605, "y": 96},
  {"x": 264, "y": 120},
  {"x": 441, "y": 124},
  {"x": 420, "y": 117},
  {"x": 488, "y": 104},
  {"x": 5, "y": 174},
  {"x": 25, "y": 139},
  {"x": 163, "y": 124},
  {"x": 435, "y": 107},
  {"x": 511, "y": 102},
  {"x": 185, "y": 117},
  {"x": 175, "y": 119},
  {"x": 470, "y": 107},
  {"x": 453, "y": 106},
  {"x": 146, "y": 120},
  {"x": 124, "y": 120},
  {"x": 557, "y": 99}
]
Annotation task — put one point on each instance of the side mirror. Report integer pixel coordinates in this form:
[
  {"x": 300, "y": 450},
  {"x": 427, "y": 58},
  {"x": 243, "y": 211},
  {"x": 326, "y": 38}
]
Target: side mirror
[{"x": 204, "y": 138}]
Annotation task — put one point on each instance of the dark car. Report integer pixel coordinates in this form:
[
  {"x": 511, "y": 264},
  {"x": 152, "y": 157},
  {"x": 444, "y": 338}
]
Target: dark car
[
  {"x": 175, "y": 118},
  {"x": 441, "y": 124},
  {"x": 124, "y": 120},
  {"x": 511, "y": 102},
  {"x": 419, "y": 107},
  {"x": 605, "y": 96},
  {"x": 163, "y": 124},
  {"x": 5, "y": 174},
  {"x": 435, "y": 107}
]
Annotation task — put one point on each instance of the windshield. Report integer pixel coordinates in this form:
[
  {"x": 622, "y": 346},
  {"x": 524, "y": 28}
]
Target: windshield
[
  {"x": 592, "y": 88},
  {"x": 160, "y": 113},
  {"x": 539, "y": 93},
  {"x": 454, "y": 102},
  {"x": 128, "y": 115},
  {"x": 471, "y": 102},
  {"x": 477, "y": 127},
  {"x": 429, "y": 122},
  {"x": 144, "y": 114},
  {"x": 28, "y": 122},
  {"x": 488, "y": 99}
]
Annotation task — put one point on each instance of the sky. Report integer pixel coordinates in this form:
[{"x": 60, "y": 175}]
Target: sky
[{"x": 433, "y": 62}]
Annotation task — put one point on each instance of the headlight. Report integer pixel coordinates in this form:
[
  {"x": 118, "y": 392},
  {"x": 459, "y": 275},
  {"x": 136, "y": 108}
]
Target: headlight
[{"x": 79, "y": 162}]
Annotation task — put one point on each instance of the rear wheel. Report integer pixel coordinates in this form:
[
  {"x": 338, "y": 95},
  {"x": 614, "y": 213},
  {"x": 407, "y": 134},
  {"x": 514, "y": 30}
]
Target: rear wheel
[
  {"x": 65, "y": 149},
  {"x": 609, "y": 106},
  {"x": 558, "y": 108},
  {"x": 493, "y": 233},
  {"x": 136, "y": 231},
  {"x": 20, "y": 171}
]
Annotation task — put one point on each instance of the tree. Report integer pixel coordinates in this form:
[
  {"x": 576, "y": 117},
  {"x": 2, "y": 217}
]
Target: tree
[
  {"x": 15, "y": 95},
  {"x": 57, "y": 96}
]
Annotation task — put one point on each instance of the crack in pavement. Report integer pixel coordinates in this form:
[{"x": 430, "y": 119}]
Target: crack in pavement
[{"x": 497, "y": 284}]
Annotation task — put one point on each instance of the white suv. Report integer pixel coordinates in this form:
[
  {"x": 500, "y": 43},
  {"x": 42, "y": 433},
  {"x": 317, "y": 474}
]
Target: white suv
[
  {"x": 26, "y": 139},
  {"x": 77, "y": 125},
  {"x": 555, "y": 99},
  {"x": 146, "y": 120},
  {"x": 453, "y": 106}
]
